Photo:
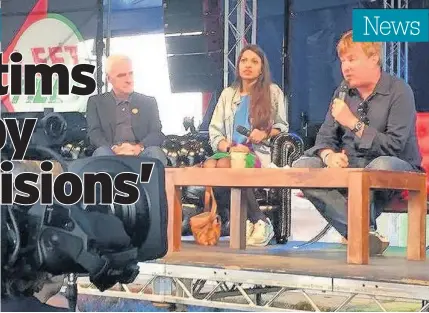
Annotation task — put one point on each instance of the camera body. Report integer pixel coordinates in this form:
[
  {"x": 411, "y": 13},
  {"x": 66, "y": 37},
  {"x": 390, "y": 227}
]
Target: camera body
[{"x": 104, "y": 241}]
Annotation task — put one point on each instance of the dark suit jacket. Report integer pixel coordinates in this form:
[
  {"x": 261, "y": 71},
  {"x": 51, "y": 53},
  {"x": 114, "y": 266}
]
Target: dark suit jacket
[{"x": 101, "y": 118}]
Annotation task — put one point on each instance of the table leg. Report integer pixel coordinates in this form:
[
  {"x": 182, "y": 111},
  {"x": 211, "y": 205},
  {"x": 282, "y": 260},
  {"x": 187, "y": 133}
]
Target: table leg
[
  {"x": 358, "y": 218},
  {"x": 238, "y": 216},
  {"x": 417, "y": 211},
  {"x": 174, "y": 200}
]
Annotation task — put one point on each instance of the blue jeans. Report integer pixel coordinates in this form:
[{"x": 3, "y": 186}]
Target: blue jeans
[
  {"x": 332, "y": 203},
  {"x": 149, "y": 152}
]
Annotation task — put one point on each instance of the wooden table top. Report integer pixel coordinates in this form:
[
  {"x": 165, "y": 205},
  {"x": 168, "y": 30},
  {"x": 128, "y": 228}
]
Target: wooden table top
[{"x": 293, "y": 177}]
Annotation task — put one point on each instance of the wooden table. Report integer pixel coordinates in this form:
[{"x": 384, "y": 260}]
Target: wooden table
[{"x": 358, "y": 181}]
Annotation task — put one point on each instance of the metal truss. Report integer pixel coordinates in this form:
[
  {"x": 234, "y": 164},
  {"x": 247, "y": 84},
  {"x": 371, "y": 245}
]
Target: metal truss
[
  {"x": 239, "y": 29},
  {"x": 395, "y": 59},
  {"x": 255, "y": 291}
]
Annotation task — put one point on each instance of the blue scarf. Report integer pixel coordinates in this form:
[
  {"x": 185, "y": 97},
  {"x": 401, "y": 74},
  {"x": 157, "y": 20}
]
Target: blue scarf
[{"x": 241, "y": 118}]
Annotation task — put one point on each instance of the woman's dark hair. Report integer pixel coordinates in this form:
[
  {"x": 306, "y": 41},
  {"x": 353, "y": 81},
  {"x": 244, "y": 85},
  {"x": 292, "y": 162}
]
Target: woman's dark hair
[{"x": 260, "y": 95}]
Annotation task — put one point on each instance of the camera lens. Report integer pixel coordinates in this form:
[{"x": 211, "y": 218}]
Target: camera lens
[
  {"x": 55, "y": 126},
  {"x": 135, "y": 217}
]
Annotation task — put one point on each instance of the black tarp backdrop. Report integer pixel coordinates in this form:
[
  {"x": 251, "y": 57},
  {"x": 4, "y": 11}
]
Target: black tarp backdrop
[
  {"x": 133, "y": 17},
  {"x": 127, "y": 17},
  {"x": 314, "y": 68},
  {"x": 269, "y": 35},
  {"x": 312, "y": 64}
]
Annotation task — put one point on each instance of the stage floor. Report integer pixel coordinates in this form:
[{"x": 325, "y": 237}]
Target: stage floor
[
  {"x": 319, "y": 260},
  {"x": 220, "y": 277}
]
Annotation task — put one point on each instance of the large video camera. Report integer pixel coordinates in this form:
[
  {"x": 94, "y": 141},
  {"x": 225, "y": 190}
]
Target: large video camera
[
  {"x": 64, "y": 133},
  {"x": 104, "y": 240}
]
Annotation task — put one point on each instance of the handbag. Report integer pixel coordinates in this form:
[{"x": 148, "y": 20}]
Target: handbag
[{"x": 206, "y": 226}]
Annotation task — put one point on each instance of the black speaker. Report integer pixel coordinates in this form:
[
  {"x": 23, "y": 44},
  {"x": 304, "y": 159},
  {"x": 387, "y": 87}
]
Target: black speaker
[{"x": 194, "y": 42}]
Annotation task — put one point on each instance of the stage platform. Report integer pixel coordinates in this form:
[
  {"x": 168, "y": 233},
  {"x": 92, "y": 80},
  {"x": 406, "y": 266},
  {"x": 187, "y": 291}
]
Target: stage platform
[
  {"x": 319, "y": 260},
  {"x": 260, "y": 276}
]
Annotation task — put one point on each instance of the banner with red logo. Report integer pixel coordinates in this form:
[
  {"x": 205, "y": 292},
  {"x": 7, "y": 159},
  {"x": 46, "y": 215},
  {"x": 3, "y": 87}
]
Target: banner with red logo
[{"x": 50, "y": 32}]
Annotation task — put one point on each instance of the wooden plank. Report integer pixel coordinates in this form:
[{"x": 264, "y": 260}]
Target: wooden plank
[
  {"x": 396, "y": 180},
  {"x": 358, "y": 219},
  {"x": 292, "y": 177},
  {"x": 329, "y": 261},
  {"x": 238, "y": 218},
  {"x": 260, "y": 177},
  {"x": 416, "y": 241},
  {"x": 174, "y": 200}
]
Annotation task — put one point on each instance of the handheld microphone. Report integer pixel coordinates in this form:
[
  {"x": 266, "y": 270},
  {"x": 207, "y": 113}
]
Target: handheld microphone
[
  {"x": 342, "y": 96},
  {"x": 245, "y": 132},
  {"x": 343, "y": 92}
]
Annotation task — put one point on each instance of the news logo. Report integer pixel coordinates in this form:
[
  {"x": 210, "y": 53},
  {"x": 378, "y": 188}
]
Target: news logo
[{"x": 397, "y": 25}]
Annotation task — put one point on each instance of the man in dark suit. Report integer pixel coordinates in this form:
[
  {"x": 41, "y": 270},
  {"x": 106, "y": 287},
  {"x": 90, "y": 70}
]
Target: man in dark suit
[{"x": 122, "y": 121}]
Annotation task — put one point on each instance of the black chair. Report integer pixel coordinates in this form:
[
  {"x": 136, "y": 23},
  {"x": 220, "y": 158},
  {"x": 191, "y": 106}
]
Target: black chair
[
  {"x": 193, "y": 148},
  {"x": 287, "y": 148}
]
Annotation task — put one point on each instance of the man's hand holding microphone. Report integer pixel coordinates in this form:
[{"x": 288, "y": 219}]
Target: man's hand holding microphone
[
  {"x": 344, "y": 116},
  {"x": 341, "y": 112}
]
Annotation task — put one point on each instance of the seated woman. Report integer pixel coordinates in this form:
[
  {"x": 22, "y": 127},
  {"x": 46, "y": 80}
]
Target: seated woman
[{"x": 257, "y": 104}]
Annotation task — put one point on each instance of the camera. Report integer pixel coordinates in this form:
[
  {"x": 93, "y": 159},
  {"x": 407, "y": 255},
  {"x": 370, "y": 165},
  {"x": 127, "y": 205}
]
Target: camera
[{"x": 99, "y": 239}]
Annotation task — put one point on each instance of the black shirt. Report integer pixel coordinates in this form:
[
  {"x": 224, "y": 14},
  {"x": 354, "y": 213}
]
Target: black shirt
[
  {"x": 390, "y": 115},
  {"x": 124, "y": 130}
]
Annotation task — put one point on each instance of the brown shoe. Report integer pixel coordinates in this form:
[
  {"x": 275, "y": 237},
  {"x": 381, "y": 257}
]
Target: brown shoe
[{"x": 377, "y": 244}]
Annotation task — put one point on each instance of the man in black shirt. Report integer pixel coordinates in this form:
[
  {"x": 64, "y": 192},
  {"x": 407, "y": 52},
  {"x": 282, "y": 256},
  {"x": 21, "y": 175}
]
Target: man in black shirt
[{"x": 373, "y": 127}]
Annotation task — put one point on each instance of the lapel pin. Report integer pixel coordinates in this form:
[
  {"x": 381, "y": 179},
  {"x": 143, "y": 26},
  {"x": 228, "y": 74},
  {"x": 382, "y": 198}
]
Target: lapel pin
[{"x": 135, "y": 111}]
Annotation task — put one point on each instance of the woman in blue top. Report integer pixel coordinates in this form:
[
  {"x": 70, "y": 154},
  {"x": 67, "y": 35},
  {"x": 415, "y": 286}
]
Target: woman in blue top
[{"x": 257, "y": 104}]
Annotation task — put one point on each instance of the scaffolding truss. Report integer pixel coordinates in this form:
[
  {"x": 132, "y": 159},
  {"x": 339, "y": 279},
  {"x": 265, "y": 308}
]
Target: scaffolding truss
[
  {"x": 395, "y": 58},
  {"x": 246, "y": 290},
  {"x": 239, "y": 30}
]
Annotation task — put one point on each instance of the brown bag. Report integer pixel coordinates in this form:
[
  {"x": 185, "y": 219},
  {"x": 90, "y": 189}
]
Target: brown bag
[{"x": 206, "y": 226}]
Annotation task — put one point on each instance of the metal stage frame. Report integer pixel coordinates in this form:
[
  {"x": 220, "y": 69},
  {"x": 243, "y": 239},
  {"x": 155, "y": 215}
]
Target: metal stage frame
[
  {"x": 395, "y": 58},
  {"x": 240, "y": 22},
  {"x": 248, "y": 290}
]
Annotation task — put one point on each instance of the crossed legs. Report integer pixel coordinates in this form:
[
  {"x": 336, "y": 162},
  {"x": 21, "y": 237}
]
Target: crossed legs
[{"x": 332, "y": 203}]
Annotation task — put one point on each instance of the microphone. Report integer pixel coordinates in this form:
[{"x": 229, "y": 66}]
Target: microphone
[
  {"x": 343, "y": 92},
  {"x": 342, "y": 96},
  {"x": 245, "y": 132}
]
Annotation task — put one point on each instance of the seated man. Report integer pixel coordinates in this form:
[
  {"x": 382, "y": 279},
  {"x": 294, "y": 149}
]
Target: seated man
[
  {"x": 372, "y": 127},
  {"x": 122, "y": 121}
]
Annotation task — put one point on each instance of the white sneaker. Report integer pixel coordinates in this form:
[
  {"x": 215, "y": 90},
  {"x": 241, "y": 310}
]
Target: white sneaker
[
  {"x": 249, "y": 230},
  {"x": 262, "y": 234}
]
